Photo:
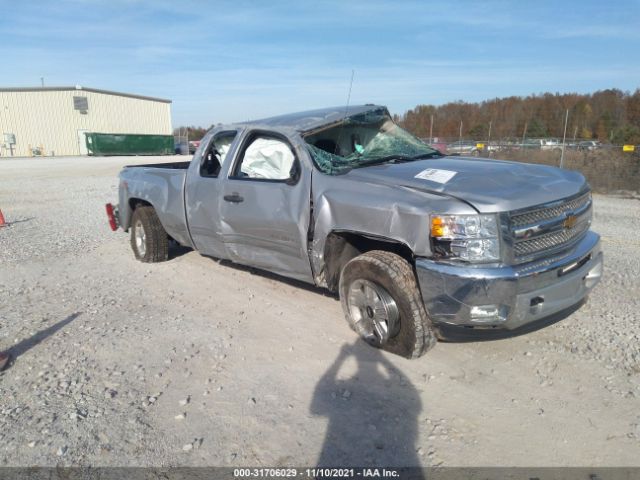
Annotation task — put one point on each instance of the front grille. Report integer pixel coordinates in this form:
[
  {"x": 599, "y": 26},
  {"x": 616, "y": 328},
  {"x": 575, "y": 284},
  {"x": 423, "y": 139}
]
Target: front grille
[
  {"x": 556, "y": 209},
  {"x": 547, "y": 229},
  {"x": 549, "y": 241}
]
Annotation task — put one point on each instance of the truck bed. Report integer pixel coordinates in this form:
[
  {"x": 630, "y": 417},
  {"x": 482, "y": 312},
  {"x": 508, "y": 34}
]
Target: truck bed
[
  {"x": 171, "y": 165},
  {"x": 160, "y": 185}
]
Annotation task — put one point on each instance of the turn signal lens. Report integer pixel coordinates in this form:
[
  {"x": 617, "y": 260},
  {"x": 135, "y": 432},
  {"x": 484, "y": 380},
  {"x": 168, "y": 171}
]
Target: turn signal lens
[{"x": 437, "y": 227}]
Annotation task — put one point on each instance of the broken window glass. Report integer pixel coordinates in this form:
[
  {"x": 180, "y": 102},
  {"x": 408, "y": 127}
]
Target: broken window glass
[{"x": 362, "y": 140}]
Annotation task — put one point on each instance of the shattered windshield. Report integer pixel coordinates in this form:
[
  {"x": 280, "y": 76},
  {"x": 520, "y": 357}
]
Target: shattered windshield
[{"x": 366, "y": 139}]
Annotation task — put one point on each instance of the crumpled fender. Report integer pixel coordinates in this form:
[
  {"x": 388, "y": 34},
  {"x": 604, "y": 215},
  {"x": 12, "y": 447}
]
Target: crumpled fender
[{"x": 395, "y": 213}]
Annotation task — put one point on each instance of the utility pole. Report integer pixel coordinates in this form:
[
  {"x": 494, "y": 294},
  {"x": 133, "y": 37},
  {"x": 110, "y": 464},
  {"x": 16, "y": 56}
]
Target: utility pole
[
  {"x": 431, "y": 131},
  {"x": 489, "y": 137},
  {"x": 42, "y": 81},
  {"x": 524, "y": 132},
  {"x": 460, "y": 134},
  {"x": 564, "y": 137}
]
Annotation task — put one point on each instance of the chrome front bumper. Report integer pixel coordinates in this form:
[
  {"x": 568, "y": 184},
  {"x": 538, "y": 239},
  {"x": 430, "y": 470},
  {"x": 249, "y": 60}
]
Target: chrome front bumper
[{"x": 507, "y": 298}]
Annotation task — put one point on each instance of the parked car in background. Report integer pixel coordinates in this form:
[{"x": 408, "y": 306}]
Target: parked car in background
[
  {"x": 193, "y": 146},
  {"x": 493, "y": 147},
  {"x": 589, "y": 145},
  {"x": 181, "y": 148},
  {"x": 437, "y": 144},
  {"x": 541, "y": 144},
  {"x": 550, "y": 144},
  {"x": 463, "y": 147},
  {"x": 531, "y": 144},
  {"x": 509, "y": 145}
]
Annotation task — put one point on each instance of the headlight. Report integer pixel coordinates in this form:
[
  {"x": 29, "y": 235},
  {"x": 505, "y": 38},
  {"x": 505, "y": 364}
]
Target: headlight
[{"x": 474, "y": 238}]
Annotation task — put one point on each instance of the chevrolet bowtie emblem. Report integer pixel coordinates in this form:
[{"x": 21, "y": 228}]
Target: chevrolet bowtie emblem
[{"x": 570, "y": 221}]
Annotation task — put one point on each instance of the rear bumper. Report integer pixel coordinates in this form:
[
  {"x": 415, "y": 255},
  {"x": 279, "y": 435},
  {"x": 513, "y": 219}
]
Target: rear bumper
[{"x": 477, "y": 300}]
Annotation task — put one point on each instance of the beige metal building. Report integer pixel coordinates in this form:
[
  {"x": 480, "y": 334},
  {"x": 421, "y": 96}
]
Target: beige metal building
[{"x": 53, "y": 120}]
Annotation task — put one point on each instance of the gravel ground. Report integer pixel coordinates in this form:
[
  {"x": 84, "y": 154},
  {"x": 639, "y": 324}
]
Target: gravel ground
[{"x": 198, "y": 362}]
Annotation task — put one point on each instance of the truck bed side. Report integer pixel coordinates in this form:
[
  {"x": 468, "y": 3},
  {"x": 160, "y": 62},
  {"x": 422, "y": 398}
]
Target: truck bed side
[{"x": 161, "y": 186}]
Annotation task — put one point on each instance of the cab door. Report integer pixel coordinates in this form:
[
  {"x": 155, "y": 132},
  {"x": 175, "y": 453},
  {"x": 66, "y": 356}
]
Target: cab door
[
  {"x": 265, "y": 206},
  {"x": 203, "y": 191}
]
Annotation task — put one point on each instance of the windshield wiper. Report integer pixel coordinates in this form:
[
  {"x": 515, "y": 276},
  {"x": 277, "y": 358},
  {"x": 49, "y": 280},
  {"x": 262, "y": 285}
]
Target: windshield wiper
[
  {"x": 398, "y": 158},
  {"x": 388, "y": 158},
  {"x": 435, "y": 154}
]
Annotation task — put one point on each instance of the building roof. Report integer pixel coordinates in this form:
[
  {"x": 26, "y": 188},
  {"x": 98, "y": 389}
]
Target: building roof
[
  {"x": 313, "y": 119},
  {"x": 82, "y": 89}
]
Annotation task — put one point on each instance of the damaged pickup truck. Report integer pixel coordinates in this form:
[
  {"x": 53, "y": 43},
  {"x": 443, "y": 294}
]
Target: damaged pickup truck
[{"x": 418, "y": 246}]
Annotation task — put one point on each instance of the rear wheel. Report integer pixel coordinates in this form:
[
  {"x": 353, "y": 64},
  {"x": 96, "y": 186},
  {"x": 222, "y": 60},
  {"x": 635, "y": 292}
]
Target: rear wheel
[
  {"x": 382, "y": 303},
  {"x": 149, "y": 240}
]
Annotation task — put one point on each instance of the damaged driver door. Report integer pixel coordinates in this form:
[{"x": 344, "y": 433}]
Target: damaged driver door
[{"x": 265, "y": 207}]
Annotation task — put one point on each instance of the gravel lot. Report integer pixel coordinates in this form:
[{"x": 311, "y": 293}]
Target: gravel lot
[{"x": 197, "y": 362}]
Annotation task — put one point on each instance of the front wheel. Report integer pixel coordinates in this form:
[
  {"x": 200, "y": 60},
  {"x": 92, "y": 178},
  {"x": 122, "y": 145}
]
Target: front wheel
[
  {"x": 382, "y": 303},
  {"x": 149, "y": 240}
]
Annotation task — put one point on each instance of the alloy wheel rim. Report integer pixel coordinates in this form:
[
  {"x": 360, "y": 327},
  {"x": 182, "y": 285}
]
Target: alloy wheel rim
[{"x": 374, "y": 311}]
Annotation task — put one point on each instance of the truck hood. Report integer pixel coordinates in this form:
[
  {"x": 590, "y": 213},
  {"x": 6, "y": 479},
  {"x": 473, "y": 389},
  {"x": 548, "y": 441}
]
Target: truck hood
[{"x": 488, "y": 185}]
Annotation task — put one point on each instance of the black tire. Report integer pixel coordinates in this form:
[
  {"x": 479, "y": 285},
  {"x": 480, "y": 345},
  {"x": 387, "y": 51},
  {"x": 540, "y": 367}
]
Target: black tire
[
  {"x": 413, "y": 336},
  {"x": 154, "y": 246}
]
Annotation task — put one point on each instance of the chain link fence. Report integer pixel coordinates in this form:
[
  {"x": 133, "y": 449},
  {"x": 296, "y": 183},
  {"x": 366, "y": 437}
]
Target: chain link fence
[{"x": 181, "y": 141}]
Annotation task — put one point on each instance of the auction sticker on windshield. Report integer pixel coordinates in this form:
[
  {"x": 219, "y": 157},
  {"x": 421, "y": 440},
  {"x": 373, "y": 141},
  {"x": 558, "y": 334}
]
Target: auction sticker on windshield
[{"x": 436, "y": 175}]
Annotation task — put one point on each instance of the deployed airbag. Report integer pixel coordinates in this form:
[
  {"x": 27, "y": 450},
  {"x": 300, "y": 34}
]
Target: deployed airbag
[{"x": 268, "y": 158}]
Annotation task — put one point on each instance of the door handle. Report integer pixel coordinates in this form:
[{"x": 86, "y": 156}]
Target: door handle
[{"x": 233, "y": 198}]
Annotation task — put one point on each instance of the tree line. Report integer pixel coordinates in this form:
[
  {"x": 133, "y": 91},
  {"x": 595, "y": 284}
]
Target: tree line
[{"x": 610, "y": 116}]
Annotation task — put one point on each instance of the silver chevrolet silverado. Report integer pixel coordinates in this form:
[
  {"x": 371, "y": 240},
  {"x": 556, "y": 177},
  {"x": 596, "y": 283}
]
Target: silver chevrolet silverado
[{"x": 418, "y": 246}]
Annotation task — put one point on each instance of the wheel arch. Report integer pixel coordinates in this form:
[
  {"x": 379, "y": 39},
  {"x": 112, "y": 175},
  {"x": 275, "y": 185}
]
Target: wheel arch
[
  {"x": 132, "y": 204},
  {"x": 342, "y": 245}
]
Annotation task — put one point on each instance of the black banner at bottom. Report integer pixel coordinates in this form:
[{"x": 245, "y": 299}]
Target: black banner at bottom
[{"x": 245, "y": 473}]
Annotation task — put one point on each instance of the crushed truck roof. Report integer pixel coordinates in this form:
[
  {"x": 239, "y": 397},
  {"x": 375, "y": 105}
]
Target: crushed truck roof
[{"x": 314, "y": 119}]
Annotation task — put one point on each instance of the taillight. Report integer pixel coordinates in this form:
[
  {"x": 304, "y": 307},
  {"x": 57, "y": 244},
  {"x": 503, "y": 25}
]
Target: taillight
[{"x": 112, "y": 218}]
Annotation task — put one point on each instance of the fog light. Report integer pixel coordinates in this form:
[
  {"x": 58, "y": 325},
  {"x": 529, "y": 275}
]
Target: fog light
[
  {"x": 594, "y": 275},
  {"x": 489, "y": 313}
]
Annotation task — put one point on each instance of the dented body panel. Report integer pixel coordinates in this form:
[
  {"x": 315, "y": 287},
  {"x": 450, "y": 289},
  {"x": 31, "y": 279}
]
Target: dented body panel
[
  {"x": 268, "y": 229},
  {"x": 395, "y": 213},
  {"x": 158, "y": 186}
]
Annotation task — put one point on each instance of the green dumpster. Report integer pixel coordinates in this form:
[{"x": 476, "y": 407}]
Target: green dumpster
[{"x": 128, "y": 144}]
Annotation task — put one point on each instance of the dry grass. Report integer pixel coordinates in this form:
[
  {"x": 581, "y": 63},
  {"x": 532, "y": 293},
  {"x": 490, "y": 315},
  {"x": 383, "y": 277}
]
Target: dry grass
[{"x": 606, "y": 170}]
